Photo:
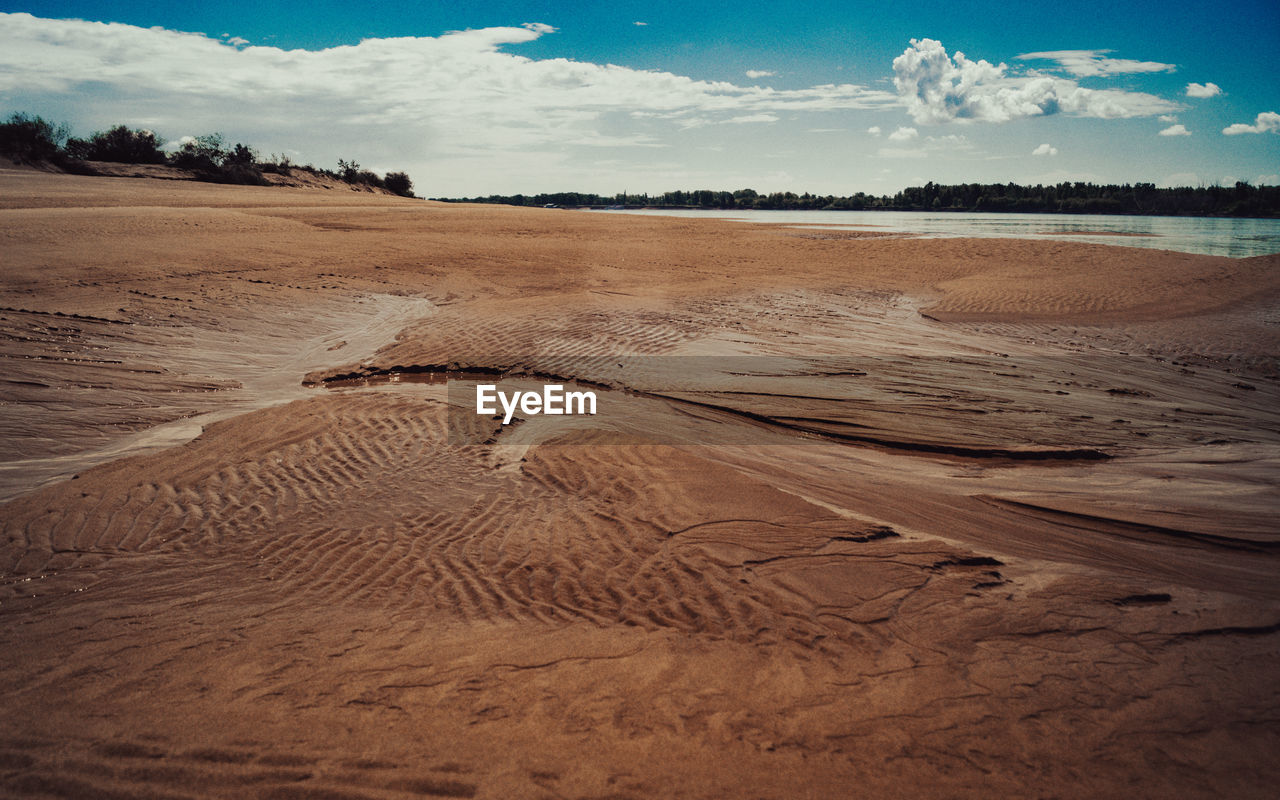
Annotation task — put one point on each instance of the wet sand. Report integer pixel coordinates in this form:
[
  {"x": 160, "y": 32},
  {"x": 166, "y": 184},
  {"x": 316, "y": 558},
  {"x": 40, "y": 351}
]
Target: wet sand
[{"x": 1000, "y": 516}]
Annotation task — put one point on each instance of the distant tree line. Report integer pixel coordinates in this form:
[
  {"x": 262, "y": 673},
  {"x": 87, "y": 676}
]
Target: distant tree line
[
  {"x": 1240, "y": 200},
  {"x": 32, "y": 140}
]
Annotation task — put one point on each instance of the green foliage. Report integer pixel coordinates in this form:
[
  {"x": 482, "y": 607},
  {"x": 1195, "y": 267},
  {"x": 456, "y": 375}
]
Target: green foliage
[
  {"x": 399, "y": 183},
  {"x": 240, "y": 155},
  {"x": 349, "y": 171},
  {"x": 202, "y": 154},
  {"x": 119, "y": 144},
  {"x": 279, "y": 164},
  {"x": 210, "y": 158},
  {"x": 1241, "y": 200},
  {"x": 29, "y": 139}
]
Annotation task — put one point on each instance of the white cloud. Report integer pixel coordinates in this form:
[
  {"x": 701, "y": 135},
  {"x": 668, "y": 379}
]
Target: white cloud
[
  {"x": 1203, "y": 90},
  {"x": 951, "y": 145},
  {"x": 237, "y": 41},
  {"x": 760, "y": 73},
  {"x": 641, "y": 24},
  {"x": 874, "y": 130},
  {"x": 458, "y": 102},
  {"x": 1266, "y": 121},
  {"x": 1094, "y": 63},
  {"x": 753, "y": 118},
  {"x": 1175, "y": 130},
  {"x": 1182, "y": 179},
  {"x": 1267, "y": 180},
  {"x": 1168, "y": 117},
  {"x": 1045, "y": 149},
  {"x": 938, "y": 88},
  {"x": 903, "y": 135}
]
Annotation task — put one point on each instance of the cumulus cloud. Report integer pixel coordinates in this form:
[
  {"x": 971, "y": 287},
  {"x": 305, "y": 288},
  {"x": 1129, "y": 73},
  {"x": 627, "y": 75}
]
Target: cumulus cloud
[
  {"x": 1095, "y": 63},
  {"x": 938, "y": 88},
  {"x": 1045, "y": 149},
  {"x": 398, "y": 101},
  {"x": 1203, "y": 90},
  {"x": 760, "y": 73},
  {"x": 903, "y": 135},
  {"x": 1266, "y": 121},
  {"x": 1168, "y": 117},
  {"x": 1175, "y": 130},
  {"x": 874, "y": 130}
]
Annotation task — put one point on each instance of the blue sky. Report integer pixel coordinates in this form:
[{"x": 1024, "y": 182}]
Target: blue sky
[{"x": 828, "y": 97}]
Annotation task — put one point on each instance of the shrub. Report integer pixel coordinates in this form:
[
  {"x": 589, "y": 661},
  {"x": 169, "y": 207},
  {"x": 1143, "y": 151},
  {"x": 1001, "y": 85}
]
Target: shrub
[
  {"x": 246, "y": 174},
  {"x": 240, "y": 155},
  {"x": 202, "y": 154},
  {"x": 399, "y": 183},
  {"x": 119, "y": 144},
  {"x": 30, "y": 139},
  {"x": 348, "y": 171},
  {"x": 280, "y": 164}
]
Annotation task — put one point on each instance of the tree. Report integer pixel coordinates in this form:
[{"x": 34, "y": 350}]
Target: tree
[{"x": 31, "y": 139}]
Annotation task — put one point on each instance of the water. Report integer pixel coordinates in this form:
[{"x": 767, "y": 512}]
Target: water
[{"x": 1236, "y": 238}]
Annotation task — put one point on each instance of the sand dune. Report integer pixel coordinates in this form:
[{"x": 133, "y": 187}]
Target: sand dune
[{"x": 973, "y": 516}]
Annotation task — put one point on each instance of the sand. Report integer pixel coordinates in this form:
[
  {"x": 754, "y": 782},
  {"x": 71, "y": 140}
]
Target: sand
[{"x": 1002, "y": 521}]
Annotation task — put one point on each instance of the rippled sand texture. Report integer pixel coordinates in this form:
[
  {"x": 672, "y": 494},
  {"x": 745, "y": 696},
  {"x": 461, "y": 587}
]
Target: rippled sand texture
[{"x": 1006, "y": 524}]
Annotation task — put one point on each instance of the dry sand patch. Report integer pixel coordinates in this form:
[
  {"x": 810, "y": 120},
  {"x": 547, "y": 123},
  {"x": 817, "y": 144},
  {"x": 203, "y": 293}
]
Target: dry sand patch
[{"x": 325, "y": 598}]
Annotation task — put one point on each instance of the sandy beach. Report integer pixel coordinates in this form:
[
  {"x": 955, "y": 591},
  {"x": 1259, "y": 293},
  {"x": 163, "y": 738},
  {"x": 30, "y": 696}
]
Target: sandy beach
[{"x": 1002, "y": 521}]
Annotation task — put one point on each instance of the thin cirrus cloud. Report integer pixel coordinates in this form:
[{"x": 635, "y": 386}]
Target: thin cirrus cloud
[
  {"x": 1175, "y": 130},
  {"x": 1095, "y": 63},
  {"x": 760, "y": 73},
  {"x": 1266, "y": 122},
  {"x": 1203, "y": 90},
  {"x": 749, "y": 118},
  {"x": 458, "y": 92},
  {"x": 950, "y": 146},
  {"x": 938, "y": 88}
]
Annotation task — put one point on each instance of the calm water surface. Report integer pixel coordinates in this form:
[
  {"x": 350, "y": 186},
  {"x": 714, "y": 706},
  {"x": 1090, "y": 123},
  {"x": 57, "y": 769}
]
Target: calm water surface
[{"x": 1237, "y": 238}]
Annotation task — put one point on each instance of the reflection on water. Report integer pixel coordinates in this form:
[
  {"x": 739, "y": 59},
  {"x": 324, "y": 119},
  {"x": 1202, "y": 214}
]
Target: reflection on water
[{"x": 1237, "y": 238}]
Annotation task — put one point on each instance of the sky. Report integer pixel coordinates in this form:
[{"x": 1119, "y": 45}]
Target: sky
[{"x": 831, "y": 97}]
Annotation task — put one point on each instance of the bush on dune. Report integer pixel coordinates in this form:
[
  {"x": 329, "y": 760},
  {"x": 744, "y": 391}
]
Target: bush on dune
[
  {"x": 209, "y": 157},
  {"x": 31, "y": 140},
  {"x": 201, "y": 153},
  {"x": 399, "y": 183},
  {"x": 120, "y": 144}
]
